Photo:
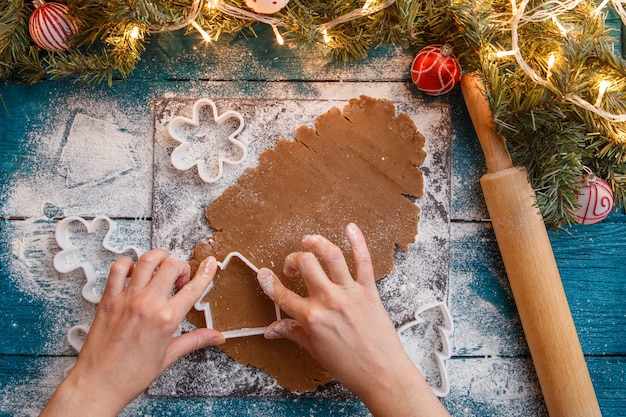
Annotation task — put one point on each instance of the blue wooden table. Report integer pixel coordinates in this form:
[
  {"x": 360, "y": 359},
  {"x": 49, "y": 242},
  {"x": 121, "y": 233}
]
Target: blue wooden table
[{"x": 490, "y": 370}]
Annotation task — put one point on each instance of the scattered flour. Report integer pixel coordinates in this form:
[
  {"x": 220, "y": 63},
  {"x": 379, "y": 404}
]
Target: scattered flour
[{"x": 94, "y": 157}]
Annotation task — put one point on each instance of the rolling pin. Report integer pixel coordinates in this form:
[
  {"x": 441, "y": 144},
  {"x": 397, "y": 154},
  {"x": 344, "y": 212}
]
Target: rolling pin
[{"x": 531, "y": 269}]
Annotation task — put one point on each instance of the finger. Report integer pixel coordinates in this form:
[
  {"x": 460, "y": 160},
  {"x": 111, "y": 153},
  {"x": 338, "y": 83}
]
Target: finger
[
  {"x": 289, "y": 329},
  {"x": 188, "y": 342},
  {"x": 306, "y": 265},
  {"x": 120, "y": 270},
  {"x": 332, "y": 256},
  {"x": 191, "y": 292},
  {"x": 361, "y": 255},
  {"x": 290, "y": 302},
  {"x": 170, "y": 270},
  {"x": 145, "y": 267}
]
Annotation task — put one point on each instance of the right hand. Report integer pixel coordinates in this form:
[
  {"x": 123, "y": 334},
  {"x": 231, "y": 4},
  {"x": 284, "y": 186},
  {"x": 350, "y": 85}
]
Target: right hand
[{"x": 343, "y": 324}]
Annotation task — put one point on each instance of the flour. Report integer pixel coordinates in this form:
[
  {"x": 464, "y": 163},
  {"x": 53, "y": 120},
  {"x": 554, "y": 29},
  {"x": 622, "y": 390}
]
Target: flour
[
  {"x": 95, "y": 158},
  {"x": 420, "y": 276},
  {"x": 93, "y": 155}
]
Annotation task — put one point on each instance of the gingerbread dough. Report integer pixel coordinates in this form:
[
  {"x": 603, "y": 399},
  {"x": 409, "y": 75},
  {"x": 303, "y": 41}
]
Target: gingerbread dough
[{"x": 358, "y": 165}]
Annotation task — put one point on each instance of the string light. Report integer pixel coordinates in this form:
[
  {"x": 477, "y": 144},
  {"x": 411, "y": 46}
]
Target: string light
[
  {"x": 327, "y": 38},
  {"x": 279, "y": 37},
  {"x": 551, "y": 61},
  {"x": 559, "y": 26},
  {"x": 602, "y": 87},
  {"x": 134, "y": 32},
  {"x": 550, "y": 10},
  {"x": 369, "y": 3},
  {"x": 205, "y": 35}
]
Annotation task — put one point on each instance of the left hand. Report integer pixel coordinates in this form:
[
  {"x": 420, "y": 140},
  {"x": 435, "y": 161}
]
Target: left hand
[{"x": 130, "y": 342}]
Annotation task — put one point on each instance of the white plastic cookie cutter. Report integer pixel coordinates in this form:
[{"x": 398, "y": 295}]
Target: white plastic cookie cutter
[
  {"x": 184, "y": 157},
  {"x": 445, "y": 328},
  {"x": 65, "y": 261},
  {"x": 76, "y": 338},
  {"x": 206, "y": 308}
]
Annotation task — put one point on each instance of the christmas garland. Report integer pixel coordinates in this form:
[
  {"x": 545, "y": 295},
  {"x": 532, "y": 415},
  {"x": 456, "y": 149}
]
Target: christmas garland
[{"x": 555, "y": 84}]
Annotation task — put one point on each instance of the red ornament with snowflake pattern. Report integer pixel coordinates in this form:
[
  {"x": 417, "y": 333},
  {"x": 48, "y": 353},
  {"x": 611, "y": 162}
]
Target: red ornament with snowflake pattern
[
  {"x": 50, "y": 26},
  {"x": 435, "y": 69}
]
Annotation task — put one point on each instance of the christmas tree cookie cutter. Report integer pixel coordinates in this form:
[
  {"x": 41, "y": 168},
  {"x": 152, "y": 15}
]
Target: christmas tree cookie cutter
[
  {"x": 445, "y": 327},
  {"x": 66, "y": 261},
  {"x": 206, "y": 308},
  {"x": 201, "y": 152}
]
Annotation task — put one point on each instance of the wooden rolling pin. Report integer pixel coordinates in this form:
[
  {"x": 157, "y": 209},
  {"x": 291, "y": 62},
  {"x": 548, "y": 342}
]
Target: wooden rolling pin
[{"x": 532, "y": 271}]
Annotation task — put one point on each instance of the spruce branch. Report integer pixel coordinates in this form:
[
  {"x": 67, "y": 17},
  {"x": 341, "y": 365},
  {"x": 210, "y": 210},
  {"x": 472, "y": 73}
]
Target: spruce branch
[{"x": 547, "y": 128}]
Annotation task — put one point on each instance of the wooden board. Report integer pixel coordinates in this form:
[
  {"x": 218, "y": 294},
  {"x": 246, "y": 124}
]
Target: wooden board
[
  {"x": 178, "y": 224},
  {"x": 489, "y": 352}
]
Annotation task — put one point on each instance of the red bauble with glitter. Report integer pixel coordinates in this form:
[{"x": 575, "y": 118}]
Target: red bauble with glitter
[
  {"x": 50, "y": 26},
  {"x": 596, "y": 200},
  {"x": 435, "y": 69}
]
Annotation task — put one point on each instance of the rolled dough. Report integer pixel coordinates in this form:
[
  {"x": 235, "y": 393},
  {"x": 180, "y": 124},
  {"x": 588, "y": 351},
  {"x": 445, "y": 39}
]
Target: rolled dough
[{"x": 359, "y": 164}]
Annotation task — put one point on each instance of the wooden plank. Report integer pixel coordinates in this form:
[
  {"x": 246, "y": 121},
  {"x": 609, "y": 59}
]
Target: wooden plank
[
  {"x": 39, "y": 304},
  {"x": 172, "y": 56},
  {"x": 596, "y": 290},
  {"x": 480, "y": 386}
]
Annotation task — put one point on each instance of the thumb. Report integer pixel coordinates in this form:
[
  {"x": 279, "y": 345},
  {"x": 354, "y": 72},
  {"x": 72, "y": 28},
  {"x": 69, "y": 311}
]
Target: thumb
[
  {"x": 188, "y": 342},
  {"x": 289, "y": 329}
]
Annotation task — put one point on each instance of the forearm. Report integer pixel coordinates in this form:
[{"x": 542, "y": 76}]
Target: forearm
[{"x": 401, "y": 391}]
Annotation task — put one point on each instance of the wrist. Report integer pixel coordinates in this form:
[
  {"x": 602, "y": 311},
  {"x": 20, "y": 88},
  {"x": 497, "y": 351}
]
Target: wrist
[
  {"x": 78, "y": 396},
  {"x": 400, "y": 390}
]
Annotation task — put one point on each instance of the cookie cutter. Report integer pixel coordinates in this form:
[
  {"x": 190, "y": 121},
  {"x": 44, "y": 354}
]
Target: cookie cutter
[
  {"x": 63, "y": 260},
  {"x": 444, "y": 330},
  {"x": 206, "y": 308},
  {"x": 76, "y": 338},
  {"x": 178, "y": 155}
]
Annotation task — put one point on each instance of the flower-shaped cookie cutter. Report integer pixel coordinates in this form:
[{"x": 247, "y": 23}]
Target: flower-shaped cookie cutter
[
  {"x": 63, "y": 261},
  {"x": 444, "y": 330},
  {"x": 206, "y": 308},
  {"x": 185, "y": 156}
]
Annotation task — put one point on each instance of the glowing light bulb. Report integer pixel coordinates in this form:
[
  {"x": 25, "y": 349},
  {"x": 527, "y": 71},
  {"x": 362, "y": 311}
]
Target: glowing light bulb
[
  {"x": 205, "y": 35},
  {"x": 602, "y": 87},
  {"x": 551, "y": 61},
  {"x": 502, "y": 54},
  {"x": 600, "y": 7},
  {"x": 559, "y": 26},
  {"x": 279, "y": 37},
  {"x": 134, "y": 32},
  {"x": 368, "y": 4},
  {"x": 327, "y": 37}
]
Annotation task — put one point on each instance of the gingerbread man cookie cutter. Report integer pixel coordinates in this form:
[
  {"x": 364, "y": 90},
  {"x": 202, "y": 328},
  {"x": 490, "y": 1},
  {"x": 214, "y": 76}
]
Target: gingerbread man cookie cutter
[
  {"x": 76, "y": 338},
  {"x": 206, "y": 308},
  {"x": 65, "y": 261},
  {"x": 185, "y": 156},
  {"x": 444, "y": 329}
]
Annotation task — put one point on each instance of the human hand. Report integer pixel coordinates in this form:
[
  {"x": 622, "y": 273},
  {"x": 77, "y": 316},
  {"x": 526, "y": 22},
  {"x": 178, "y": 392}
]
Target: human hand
[
  {"x": 130, "y": 342},
  {"x": 343, "y": 324}
]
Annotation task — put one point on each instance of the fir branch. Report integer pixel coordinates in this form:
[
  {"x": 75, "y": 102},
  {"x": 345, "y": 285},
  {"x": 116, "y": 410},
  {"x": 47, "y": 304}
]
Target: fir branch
[{"x": 15, "y": 53}]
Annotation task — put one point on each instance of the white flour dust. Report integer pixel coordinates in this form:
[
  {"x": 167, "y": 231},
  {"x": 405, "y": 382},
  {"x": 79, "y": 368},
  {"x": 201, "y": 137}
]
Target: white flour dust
[{"x": 96, "y": 159}]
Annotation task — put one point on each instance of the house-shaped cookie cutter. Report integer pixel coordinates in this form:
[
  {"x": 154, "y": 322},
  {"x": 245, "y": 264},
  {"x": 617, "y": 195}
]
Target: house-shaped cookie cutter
[{"x": 206, "y": 308}]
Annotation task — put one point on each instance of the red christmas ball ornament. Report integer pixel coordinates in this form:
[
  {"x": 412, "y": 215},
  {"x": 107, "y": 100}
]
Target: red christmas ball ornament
[
  {"x": 50, "y": 26},
  {"x": 596, "y": 200},
  {"x": 435, "y": 69}
]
